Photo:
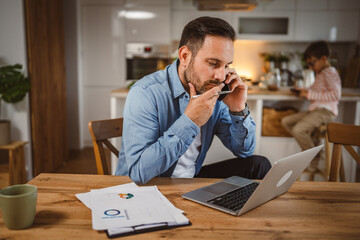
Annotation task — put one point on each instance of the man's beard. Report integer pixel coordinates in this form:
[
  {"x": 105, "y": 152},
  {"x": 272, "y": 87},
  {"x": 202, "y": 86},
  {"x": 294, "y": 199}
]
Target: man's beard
[{"x": 192, "y": 77}]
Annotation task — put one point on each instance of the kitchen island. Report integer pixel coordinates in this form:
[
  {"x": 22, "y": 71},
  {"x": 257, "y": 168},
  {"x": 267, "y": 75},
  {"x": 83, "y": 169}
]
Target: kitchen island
[{"x": 273, "y": 148}]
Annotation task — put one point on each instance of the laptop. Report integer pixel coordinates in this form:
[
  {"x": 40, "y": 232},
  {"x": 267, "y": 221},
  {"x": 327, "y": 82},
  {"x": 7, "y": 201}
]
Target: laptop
[{"x": 237, "y": 195}]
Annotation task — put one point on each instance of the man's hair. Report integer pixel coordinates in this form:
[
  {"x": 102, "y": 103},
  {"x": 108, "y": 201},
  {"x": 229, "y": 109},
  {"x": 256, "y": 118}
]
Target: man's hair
[
  {"x": 194, "y": 32},
  {"x": 317, "y": 49}
]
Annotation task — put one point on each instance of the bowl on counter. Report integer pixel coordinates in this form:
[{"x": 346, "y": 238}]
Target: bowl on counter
[{"x": 272, "y": 87}]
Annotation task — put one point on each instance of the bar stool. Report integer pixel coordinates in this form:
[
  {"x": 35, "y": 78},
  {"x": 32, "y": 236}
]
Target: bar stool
[{"x": 321, "y": 133}]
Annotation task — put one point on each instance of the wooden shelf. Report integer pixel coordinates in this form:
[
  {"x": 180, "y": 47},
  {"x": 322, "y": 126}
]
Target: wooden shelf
[{"x": 16, "y": 167}]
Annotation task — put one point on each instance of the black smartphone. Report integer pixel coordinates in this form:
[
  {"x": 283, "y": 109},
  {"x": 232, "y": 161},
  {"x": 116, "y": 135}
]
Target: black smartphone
[
  {"x": 225, "y": 88},
  {"x": 295, "y": 90}
]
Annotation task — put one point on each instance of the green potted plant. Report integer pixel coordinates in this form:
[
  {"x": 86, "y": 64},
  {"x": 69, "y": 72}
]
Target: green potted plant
[
  {"x": 13, "y": 88},
  {"x": 283, "y": 60},
  {"x": 270, "y": 60}
]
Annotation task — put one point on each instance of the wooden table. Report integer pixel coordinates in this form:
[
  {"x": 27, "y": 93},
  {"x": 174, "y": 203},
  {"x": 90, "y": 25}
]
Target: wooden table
[{"x": 310, "y": 210}]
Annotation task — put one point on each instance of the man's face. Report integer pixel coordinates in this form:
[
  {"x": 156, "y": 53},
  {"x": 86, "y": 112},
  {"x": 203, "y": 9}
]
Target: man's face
[{"x": 210, "y": 65}]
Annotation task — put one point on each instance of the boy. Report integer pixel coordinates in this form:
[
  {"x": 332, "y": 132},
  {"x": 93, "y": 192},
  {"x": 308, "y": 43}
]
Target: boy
[{"x": 324, "y": 96}]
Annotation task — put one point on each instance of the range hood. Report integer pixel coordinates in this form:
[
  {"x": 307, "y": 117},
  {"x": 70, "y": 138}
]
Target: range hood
[{"x": 225, "y": 5}]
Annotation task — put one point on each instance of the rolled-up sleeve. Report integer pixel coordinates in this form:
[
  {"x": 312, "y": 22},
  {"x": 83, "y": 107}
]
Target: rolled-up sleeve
[{"x": 237, "y": 133}]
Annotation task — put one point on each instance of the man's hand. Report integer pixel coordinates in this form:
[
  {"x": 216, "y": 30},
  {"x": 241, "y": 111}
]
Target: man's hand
[
  {"x": 201, "y": 108},
  {"x": 237, "y": 99}
]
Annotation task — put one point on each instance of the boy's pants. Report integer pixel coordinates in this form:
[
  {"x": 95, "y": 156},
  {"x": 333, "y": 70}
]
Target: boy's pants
[{"x": 301, "y": 126}]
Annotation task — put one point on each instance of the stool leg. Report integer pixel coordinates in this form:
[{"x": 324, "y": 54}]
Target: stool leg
[{"x": 327, "y": 155}]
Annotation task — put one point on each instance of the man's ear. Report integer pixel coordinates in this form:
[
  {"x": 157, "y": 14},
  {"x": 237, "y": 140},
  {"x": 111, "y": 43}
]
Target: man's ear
[{"x": 184, "y": 56}]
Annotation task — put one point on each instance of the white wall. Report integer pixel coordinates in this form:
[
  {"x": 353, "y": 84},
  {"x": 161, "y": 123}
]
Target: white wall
[{"x": 13, "y": 50}]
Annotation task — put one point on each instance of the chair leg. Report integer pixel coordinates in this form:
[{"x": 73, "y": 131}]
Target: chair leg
[
  {"x": 342, "y": 171},
  {"x": 312, "y": 176},
  {"x": 335, "y": 165}
]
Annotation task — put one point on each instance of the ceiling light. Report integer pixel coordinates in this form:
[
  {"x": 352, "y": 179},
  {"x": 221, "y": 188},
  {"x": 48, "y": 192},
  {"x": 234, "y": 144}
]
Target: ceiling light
[{"x": 136, "y": 14}]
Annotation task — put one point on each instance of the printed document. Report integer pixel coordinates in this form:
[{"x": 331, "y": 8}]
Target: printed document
[{"x": 128, "y": 208}]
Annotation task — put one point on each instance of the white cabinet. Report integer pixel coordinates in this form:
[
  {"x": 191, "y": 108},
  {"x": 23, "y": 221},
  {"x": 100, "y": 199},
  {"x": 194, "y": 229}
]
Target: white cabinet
[
  {"x": 311, "y": 5},
  {"x": 277, "y": 5},
  {"x": 311, "y": 26},
  {"x": 346, "y": 23},
  {"x": 344, "y": 4},
  {"x": 329, "y": 25},
  {"x": 103, "y": 46},
  {"x": 147, "y": 2},
  {"x": 180, "y": 18},
  {"x": 147, "y": 22}
]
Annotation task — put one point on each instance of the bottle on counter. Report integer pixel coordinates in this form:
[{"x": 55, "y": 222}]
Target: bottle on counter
[{"x": 274, "y": 80}]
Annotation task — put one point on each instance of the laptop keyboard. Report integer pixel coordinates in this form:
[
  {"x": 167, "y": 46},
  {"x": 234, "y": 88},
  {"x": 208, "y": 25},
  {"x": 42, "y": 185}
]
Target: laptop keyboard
[{"x": 235, "y": 199}]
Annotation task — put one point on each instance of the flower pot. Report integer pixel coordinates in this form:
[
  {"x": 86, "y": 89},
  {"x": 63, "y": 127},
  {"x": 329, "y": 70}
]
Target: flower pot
[{"x": 5, "y": 132}]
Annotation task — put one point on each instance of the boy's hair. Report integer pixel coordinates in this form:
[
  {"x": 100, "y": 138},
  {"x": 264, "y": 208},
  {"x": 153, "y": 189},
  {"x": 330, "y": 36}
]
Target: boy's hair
[
  {"x": 194, "y": 32},
  {"x": 317, "y": 49}
]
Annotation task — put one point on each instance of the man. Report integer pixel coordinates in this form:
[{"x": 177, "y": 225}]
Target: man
[
  {"x": 324, "y": 95},
  {"x": 168, "y": 131}
]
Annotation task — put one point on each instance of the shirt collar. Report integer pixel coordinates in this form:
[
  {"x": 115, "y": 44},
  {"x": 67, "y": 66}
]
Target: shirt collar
[{"x": 176, "y": 86}]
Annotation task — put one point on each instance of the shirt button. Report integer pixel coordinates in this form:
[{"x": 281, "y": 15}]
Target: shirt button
[
  {"x": 186, "y": 96},
  {"x": 193, "y": 136},
  {"x": 237, "y": 121}
]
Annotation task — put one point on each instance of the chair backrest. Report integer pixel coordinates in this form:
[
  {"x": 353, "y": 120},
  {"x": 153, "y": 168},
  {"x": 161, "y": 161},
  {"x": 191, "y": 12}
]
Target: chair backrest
[
  {"x": 101, "y": 131},
  {"x": 342, "y": 135}
]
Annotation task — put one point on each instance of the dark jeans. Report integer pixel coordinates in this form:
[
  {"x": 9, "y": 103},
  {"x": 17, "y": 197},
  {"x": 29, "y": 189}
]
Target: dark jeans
[{"x": 254, "y": 167}]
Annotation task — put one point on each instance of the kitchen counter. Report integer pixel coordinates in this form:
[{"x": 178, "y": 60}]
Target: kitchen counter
[
  {"x": 254, "y": 92},
  {"x": 273, "y": 148}
]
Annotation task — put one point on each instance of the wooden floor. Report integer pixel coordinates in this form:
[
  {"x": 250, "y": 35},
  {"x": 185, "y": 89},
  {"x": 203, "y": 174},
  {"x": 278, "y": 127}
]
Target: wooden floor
[{"x": 80, "y": 162}]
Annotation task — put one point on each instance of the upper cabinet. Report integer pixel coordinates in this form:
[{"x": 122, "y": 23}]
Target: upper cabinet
[
  {"x": 344, "y": 4},
  {"x": 281, "y": 20},
  {"x": 181, "y": 17},
  {"x": 330, "y": 20},
  {"x": 102, "y": 34},
  {"x": 327, "y": 25},
  {"x": 183, "y": 11},
  {"x": 269, "y": 25},
  {"x": 311, "y": 5},
  {"x": 147, "y": 21},
  {"x": 277, "y": 5}
]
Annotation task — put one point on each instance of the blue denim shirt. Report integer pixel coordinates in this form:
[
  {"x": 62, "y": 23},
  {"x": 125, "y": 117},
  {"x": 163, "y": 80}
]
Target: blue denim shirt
[{"x": 156, "y": 132}]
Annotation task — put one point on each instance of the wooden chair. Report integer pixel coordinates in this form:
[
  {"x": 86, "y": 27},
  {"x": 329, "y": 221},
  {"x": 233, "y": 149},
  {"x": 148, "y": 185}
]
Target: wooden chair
[
  {"x": 342, "y": 135},
  {"x": 101, "y": 131}
]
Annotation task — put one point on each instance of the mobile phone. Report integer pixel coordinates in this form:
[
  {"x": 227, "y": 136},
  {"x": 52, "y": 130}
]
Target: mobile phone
[
  {"x": 295, "y": 90},
  {"x": 225, "y": 88}
]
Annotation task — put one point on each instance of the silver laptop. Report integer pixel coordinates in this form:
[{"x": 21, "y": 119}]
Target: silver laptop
[{"x": 237, "y": 195}]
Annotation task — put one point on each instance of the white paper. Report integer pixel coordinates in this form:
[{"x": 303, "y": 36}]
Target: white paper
[
  {"x": 85, "y": 198},
  {"x": 128, "y": 207}
]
